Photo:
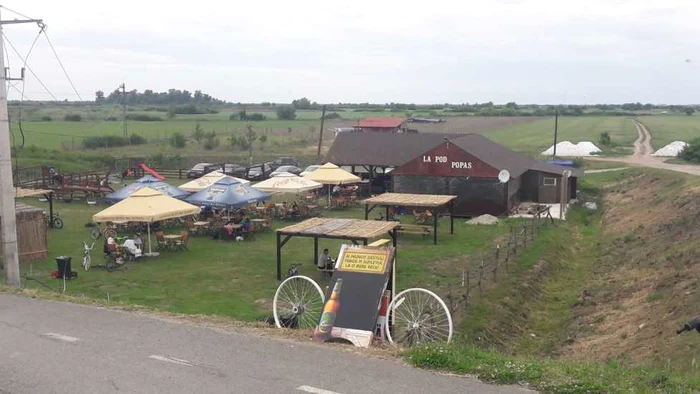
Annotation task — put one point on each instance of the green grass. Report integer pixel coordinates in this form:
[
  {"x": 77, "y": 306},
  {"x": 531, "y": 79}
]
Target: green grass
[
  {"x": 666, "y": 129},
  {"x": 533, "y": 138},
  {"x": 226, "y": 278}
]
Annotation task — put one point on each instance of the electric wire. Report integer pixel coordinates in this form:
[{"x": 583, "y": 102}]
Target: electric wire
[
  {"x": 61, "y": 64},
  {"x": 13, "y": 11},
  {"x": 29, "y": 68}
]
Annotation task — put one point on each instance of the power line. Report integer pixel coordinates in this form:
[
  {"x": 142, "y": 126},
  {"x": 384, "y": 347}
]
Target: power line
[
  {"x": 29, "y": 68},
  {"x": 13, "y": 11},
  {"x": 61, "y": 64}
]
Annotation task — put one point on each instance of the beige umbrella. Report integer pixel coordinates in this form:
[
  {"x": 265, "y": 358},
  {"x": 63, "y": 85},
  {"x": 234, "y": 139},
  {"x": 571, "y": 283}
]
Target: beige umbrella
[
  {"x": 331, "y": 174},
  {"x": 287, "y": 183},
  {"x": 208, "y": 180},
  {"x": 146, "y": 206}
]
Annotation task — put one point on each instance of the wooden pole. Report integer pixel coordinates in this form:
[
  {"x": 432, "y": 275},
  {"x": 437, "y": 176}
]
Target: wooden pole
[{"x": 320, "y": 134}]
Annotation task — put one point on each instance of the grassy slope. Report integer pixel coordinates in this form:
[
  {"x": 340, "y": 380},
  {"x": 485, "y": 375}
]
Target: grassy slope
[
  {"x": 533, "y": 138},
  {"x": 666, "y": 129}
]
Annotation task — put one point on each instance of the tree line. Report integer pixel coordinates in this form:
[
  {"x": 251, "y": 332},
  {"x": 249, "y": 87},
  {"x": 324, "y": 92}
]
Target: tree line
[{"x": 148, "y": 96}]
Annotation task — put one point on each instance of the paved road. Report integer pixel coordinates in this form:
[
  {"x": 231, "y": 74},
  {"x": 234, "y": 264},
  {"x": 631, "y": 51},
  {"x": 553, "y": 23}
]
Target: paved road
[
  {"x": 642, "y": 155},
  {"x": 53, "y": 347}
]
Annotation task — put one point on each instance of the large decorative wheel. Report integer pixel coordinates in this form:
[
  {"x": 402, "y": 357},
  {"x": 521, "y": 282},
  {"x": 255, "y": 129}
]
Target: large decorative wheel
[
  {"x": 419, "y": 317},
  {"x": 298, "y": 303}
]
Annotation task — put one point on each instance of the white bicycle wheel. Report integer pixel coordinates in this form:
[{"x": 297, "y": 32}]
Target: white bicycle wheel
[
  {"x": 298, "y": 303},
  {"x": 86, "y": 262},
  {"x": 420, "y": 317}
]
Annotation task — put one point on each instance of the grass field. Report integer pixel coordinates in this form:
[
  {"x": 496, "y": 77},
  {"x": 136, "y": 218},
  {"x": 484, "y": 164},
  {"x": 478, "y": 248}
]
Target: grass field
[
  {"x": 666, "y": 129},
  {"x": 226, "y": 278}
]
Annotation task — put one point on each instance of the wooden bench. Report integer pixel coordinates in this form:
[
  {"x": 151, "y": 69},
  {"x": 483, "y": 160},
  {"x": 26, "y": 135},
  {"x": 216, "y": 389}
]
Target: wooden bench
[
  {"x": 380, "y": 242},
  {"x": 415, "y": 229}
]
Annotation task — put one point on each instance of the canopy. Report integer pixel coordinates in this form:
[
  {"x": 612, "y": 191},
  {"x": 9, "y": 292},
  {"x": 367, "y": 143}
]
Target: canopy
[
  {"x": 146, "y": 205},
  {"x": 331, "y": 174},
  {"x": 228, "y": 193},
  {"x": 287, "y": 183},
  {"x": 208, "y": 180},
  {"x": 147, "y": 181}
]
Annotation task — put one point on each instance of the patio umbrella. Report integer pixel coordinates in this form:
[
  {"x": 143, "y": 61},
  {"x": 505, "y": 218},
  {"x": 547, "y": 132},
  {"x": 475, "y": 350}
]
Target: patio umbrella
[
  {"x": 287, "y": 183},
  {"x": 331, "y": 174},
  {"x": 146, "y": 181},
  {"x": 146, "y": 206},
  {"x": 208, "y": 180},
  {"x": 228, "y": 193}
]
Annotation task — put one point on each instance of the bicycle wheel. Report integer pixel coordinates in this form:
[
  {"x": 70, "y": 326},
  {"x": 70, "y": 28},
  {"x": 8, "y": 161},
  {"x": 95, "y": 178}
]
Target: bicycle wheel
[
  {"x": 95, "y": 233},
  {"x": 420, "y": 317},
  {"x": 57, "y": 223},
  {"x": 298, "y": 303},
  {"x": 86, "y": 262}
]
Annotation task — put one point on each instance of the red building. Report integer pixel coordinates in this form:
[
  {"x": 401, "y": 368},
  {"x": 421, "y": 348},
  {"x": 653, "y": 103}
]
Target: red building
[{"x": 382, "y": 125}]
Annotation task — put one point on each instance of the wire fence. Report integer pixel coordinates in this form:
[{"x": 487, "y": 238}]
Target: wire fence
[{"x": 488, "y": 266}]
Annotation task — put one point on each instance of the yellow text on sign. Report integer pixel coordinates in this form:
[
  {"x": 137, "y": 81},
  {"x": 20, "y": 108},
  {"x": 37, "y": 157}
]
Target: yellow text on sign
[{"x": 362, "y": 261}]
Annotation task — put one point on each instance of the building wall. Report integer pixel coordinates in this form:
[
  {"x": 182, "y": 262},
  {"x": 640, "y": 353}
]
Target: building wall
[{"x": 447, "y": 160}]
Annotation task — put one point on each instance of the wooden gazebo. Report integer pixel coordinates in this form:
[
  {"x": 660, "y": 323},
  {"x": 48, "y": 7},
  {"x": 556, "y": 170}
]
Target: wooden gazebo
[
  {"x": 433, "y": 202},
  {"x": 353, "y": 230}
]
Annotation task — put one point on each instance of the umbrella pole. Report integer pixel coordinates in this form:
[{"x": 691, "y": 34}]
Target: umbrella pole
[
  {"x": 149, "y": 238},
  {"x": 329, "y": 196}
]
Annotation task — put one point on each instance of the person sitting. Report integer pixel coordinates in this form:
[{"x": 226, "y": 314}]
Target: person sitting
[
  {"x": 294, "y": 211},
  {"x": 245, "y": 224},
  {"x": 325, "y": 261},
  {"x": 130, "y": 246},
  {"x": 138, "y": 241},
  {"x": 336, "y": 190}
]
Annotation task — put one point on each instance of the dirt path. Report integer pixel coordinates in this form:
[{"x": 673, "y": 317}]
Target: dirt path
[{"x": 642, "y": 155}]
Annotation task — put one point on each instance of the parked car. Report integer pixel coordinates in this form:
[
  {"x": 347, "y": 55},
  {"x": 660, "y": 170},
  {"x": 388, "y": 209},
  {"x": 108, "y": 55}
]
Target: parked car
[
  {"x": 284, "y": 161},
  {"x": 200, "y": 169},
  {"x": 310, "y": 169},
  {"x": 234, "y": 170},
  {"x": 282, "y": 169},
  {"x": 258, "y": 172}
]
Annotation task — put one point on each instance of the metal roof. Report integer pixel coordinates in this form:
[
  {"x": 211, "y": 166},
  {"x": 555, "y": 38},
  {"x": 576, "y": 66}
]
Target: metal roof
[{"x": 381, "y": 122}]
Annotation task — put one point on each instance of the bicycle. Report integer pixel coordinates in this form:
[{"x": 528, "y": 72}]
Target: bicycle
[
  {"x": 87, "y": 260},
  {"x": 107, "y": 231},
  {"x": 53, "y": 222},
  {"x": 293, "y": 270}
]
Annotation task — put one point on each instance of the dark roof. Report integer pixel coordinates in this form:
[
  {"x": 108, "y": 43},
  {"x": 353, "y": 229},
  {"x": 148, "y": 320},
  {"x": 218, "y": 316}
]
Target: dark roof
[
  {"x": 381, "y": 122},
  {"x": 381, "y": 149},
  {"x": 393, "y": 150}
]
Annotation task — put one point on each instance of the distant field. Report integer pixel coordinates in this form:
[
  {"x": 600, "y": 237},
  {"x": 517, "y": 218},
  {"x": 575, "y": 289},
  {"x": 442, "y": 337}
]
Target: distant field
[
  {"x": 666, "y": 129},
  {"x": 533, "y": 138}
]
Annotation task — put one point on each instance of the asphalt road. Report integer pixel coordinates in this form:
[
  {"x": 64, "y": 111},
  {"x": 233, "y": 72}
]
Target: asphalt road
[{"x": 54, "y": 347}]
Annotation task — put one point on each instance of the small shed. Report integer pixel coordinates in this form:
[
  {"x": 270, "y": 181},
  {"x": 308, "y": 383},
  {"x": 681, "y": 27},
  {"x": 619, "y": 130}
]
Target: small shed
[
  {"x": 382, "y": 125},
  {"x": 31, "y": 233}
]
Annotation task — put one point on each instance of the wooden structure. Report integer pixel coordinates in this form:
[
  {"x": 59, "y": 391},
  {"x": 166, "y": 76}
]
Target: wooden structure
[
  {"x": 382, "y": 125},
  {"x": 467, "y": 166},
  {"x": 31, "y": 233},
  {"x": 431, "y": 201},
  {"x": 47, "y": 194},
  {"x": 66, "y": 187},
  {"x": 353, "y": 230}
]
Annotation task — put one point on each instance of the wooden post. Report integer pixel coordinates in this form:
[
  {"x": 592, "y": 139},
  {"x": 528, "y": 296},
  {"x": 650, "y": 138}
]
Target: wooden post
[
  {"x": 524, "y": 236},
  {"x": 515, "y": 242},
  {"x": 314, "y": 261},
  {"x": 435, "y": 225},
  {"x": 279, "y": 256},
  {"x": 481, "y": 274},
  {"x": 495, "y": 263}
]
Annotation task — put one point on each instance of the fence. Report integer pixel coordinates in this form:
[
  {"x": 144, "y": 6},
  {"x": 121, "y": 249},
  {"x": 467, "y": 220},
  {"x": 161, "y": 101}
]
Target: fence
[{"x": 490, "y": 265}]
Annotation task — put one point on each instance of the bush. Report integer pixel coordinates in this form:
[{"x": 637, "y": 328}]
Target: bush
[
  {"x": 210, "y": 141},
  {"x": 111, "y": 119},
  {"x": 109, "y": 141},
  {"x": 145, "y": 118},
  {"x": 73, "y": 118},
  {"x": 286, "y": 112},
  {"x": 177, "y": 140},
  {"x": 332, "y": 115},
  {"x": 136, "y": 139},
  {"x": 256, "y": 117},
  {"x": 604, "y": 138},
  {"x": 46, "y": 118},
  {"x": 691, "y": 152}
]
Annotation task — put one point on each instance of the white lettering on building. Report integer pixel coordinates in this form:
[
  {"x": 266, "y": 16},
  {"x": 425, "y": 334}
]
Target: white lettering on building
[{"x": 462, "y": 164}]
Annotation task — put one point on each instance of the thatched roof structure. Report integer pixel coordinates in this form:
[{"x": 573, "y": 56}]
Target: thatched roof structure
[
  {"x": 410, "y": 200},
  {"x": 340, "y": 228}
]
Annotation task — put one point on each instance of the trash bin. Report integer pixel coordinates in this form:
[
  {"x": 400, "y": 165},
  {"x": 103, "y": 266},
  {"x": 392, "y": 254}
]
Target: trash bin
[{"x": 64, "y": 268}]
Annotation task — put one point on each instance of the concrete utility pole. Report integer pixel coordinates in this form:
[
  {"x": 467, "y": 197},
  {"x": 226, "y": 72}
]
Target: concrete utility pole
[
  {"x": 320, "y": 134},
  {"x": 8, "y": 228},
  {"x": 123, "y": 86},
  {"x": 556, "y": 129}
]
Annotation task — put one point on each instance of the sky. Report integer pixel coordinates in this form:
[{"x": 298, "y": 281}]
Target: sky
[{"x": 380, "y": 51}]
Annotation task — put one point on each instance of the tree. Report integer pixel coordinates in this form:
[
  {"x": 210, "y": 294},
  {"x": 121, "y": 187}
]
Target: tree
[
  {"x": 211, "y": 141},
  {"x": 242, "y": 115},
  {"x": 689, "y": 111},
  {"x": 286, "y": 112},
  {"x": 250, "y": 137},
  {"x": 691, "y": 152},
  {"x": 604, "y": 138},
  {"x": 99, "y": 97},
  {"x": 177, "y": 140},
  {"x": 198, "y": 133},
  {"x": 171, "y": 112},
  {"x": 302, "y": 103},
  {"x": 263, "y": 140}
]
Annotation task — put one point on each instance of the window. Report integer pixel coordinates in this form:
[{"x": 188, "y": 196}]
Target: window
[{"x": 549, "y": 181}]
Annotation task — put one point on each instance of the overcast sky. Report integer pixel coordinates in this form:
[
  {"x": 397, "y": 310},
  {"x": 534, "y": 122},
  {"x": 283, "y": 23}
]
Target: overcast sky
[{"x": 528, "y": 51}]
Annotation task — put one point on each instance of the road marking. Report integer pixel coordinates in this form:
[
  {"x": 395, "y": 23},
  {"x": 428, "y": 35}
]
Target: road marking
[
  {"x": 315, "y": 390},
  {"x": 172, "y": 360},
  {"x": 61, "y": 337}
]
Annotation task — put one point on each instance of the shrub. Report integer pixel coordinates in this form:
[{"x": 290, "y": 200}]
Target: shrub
[
  {"x": 604, "y": 138},
  {"x": 136, "y": 139},
  {"x": 286, "y": 112},
  {"x": 691, "y": 152},
  {"x": 144, "y": 118},
  {"x": 256, "y": 117},
  {"x": 177, "y": 140},
  {"x": 109, "y": 141},
  {"x": 332, "y": 115},
  {"x": 210, "y": 141},
  {"x": 46, "y": 118},
  {"x": 111, "y": 119},
  {"x": 73, "y": 118}
]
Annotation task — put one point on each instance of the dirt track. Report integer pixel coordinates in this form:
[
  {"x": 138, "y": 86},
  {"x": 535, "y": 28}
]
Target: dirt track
[{"x": 642, "y": 155}]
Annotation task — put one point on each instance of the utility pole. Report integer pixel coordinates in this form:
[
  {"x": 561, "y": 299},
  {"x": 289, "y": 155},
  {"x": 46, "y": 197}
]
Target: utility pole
[
  {"x": 556, "y": 127},
  {"x": 8, "y": 230},
  {"x": 123, "y": 86},
  {"x": 320, "y": 133}
]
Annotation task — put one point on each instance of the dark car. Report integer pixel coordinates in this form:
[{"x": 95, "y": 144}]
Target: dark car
[
  {"x": 284, "y": 161},
  {"x": 290, "y": 169},
  {"x": 234, "y": 170},
  {"x": 258, "y": 172},
  {"x": 200, "y": 169}
]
